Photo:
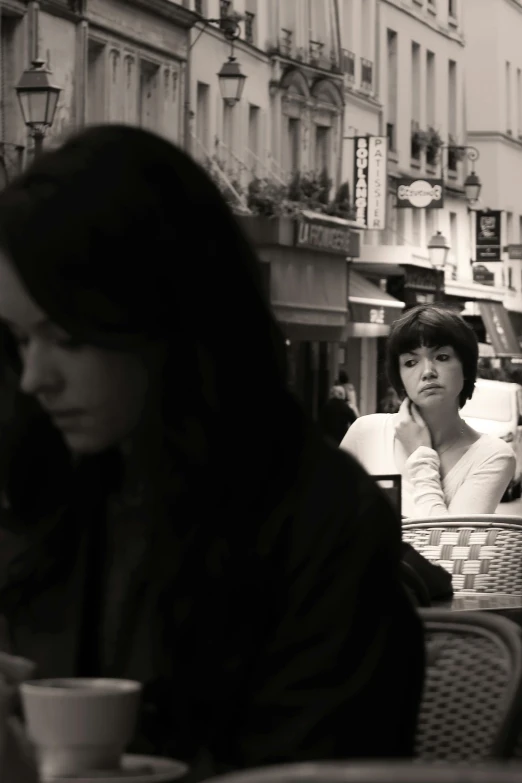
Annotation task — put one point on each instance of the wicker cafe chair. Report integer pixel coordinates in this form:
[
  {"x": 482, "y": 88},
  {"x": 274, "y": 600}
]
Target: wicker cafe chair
[
  {"x": 483, "y": 553},
  {"x": 471, "y": 707},
  {"x": 374, "y": 772}
]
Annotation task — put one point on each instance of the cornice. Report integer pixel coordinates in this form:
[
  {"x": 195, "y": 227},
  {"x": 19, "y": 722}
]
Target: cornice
[{"x": 428, "y": 21}]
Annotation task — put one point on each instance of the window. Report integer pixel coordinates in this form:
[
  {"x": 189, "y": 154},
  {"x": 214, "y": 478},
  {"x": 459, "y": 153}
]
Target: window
[
  {"x": 392, "y": 86},
  {"x": 202, "y": 120},
  {"x": 149, "y": 98},
  {"x": 416, "y": 216},
  {"x": 347, "y": 24},
  {"x": 224, "y": 8},
  {"x": 509, "y": 126},
  {"x": 415, "y": 96},
  {"x": 519, "y": 103},
  {"x": 95, "y": 81},
  {"x": 249, "y": 27},
  {"x": 430, "y": 89},
  {"x": 452, "y": 9},
  {"x": 454, "y": 242},
  {"x": 366, "y": 28},
  {"x": 250, "y": 22},
  {"x": 520, "y": 229},
  {"x": 510, "y": 276},
  {"x": 199, "y": 7},
  {"x": 452, "y": 99},
  {"x": 253, "y": 137},
  {"x": 294, "y": 144},
  {"x": 430, "y": 224},
  {"x": 322, "y": 148}
]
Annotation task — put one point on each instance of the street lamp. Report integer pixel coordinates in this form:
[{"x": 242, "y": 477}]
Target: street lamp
[
  {"x": 438, "y": 249},
  {"x": 231, "y": 81},
  {"x": 472, "y": 186},
  {"x": 38, "y": 98}
]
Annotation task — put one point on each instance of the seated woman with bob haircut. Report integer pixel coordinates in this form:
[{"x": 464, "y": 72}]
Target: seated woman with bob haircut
[
  {"x": 248, "y": 579},
  {"x": 446, "y": 466}
]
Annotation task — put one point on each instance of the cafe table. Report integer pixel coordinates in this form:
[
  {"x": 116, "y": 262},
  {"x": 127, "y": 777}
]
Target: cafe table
[{"x": 507, "y": 605}]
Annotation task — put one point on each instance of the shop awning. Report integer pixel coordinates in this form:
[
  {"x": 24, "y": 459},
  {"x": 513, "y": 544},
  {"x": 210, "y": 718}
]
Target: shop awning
[
  {"x": 372, "y": 310},
  {"x": 499, "y": 328}
]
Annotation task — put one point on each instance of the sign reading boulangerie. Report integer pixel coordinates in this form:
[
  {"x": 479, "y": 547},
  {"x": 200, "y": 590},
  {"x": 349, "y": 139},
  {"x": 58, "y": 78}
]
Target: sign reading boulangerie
[
  {"x": 488, "y": 237},
  {"x": 371, "y": 163}
]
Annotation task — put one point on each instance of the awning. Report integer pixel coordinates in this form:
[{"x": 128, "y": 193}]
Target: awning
[
  {"x": 372, "y": 310},
  {"x": 499, "y": 328}
]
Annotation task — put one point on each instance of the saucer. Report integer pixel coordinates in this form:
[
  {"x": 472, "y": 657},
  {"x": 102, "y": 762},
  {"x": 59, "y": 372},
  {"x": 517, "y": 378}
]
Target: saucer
[{"x": 135, "y": 769}]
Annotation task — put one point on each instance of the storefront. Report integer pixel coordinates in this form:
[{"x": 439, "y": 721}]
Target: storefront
[
  {"x": 371, "y": 313},
  {"x": 308, "y": 291}
]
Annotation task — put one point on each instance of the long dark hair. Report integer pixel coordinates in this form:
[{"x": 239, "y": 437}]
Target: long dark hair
[{"x": 123, "y": 240}]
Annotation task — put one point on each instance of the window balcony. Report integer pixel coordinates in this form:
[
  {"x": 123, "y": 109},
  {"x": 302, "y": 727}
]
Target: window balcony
[
  {"x": 348, "y": 66},
  {"x": 366, "y": 75}
]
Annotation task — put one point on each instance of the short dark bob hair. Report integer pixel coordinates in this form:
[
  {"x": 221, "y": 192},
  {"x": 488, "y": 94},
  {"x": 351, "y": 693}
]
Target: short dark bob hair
[{"x": 432, "y": 326}]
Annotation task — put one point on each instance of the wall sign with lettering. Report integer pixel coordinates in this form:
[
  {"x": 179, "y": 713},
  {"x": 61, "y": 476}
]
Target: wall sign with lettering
[
  {"x": 370, "y": 177},
  {"x": 420, "y": 193},
  {"x": 318, "y": 234}
]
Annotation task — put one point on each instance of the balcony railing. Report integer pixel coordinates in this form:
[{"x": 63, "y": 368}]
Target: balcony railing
[
  {"x": 316, "y": 52},
  {"x": 366, "y": 75},
  {"x": 223, "y": 167},
  {"x": 348, "y": 65}
]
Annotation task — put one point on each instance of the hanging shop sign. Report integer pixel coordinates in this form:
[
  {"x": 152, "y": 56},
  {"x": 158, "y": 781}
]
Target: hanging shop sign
[
  {"x": 488, "y": 238},
  {"x": 420, "y": 193},
  {"x": 370, "y": 177},
  {"x": 481, "y": 274},
  {"x": 316, "y": 232}
]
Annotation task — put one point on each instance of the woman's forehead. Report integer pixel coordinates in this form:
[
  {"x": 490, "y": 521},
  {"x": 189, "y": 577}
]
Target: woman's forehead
[{"x": 424, "y": 347}]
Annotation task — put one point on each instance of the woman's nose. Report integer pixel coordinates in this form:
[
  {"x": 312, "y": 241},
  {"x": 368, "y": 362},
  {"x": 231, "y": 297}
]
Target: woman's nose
[
  {"x": 37, "y": 373},
  {"x": 428, "y": 368}
]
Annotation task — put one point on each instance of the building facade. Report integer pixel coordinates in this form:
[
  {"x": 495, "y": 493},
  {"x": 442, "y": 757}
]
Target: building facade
[
  {"x": 115, "y": 60},
  {"x": 494, "y": 90}
]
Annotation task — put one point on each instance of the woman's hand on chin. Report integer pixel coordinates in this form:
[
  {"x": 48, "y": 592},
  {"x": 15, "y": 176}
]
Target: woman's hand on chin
[{"x": 410, "y": 428}]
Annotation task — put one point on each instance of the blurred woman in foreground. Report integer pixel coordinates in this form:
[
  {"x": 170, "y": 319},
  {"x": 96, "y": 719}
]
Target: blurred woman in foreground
[{"x": 250, "y": 582}]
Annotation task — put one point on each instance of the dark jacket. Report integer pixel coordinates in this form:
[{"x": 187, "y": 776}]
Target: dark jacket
[{"x": 292, "y": 640}]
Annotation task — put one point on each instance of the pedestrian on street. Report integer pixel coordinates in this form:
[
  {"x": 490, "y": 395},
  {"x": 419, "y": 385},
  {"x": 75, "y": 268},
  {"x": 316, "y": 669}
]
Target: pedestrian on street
[
  {"x": 336, "y": 416},
  {"x": 248, "y": 578}
]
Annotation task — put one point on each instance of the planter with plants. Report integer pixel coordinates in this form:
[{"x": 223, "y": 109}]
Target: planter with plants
[
  {"x": 433, "y": 144},
  {"x": 456, "y": 154},
  {"x": 419, "y": 140},
  {"x": 274, "y": 206}
]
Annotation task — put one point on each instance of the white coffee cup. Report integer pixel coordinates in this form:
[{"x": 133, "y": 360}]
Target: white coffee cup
[{"x": 80, "y": 724}]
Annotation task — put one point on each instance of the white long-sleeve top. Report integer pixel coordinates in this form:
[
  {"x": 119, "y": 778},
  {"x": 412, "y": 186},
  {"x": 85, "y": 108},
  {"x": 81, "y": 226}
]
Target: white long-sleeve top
[{"x": 474, "y": 485}]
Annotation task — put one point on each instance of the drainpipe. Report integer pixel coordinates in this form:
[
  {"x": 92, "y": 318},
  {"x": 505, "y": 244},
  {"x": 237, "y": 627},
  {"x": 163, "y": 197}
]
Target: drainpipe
[{"x": 340, "y": 159}]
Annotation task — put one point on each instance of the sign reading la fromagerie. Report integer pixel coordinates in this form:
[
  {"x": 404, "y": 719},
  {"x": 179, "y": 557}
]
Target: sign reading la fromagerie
[{"x": 370, "y": 177}]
